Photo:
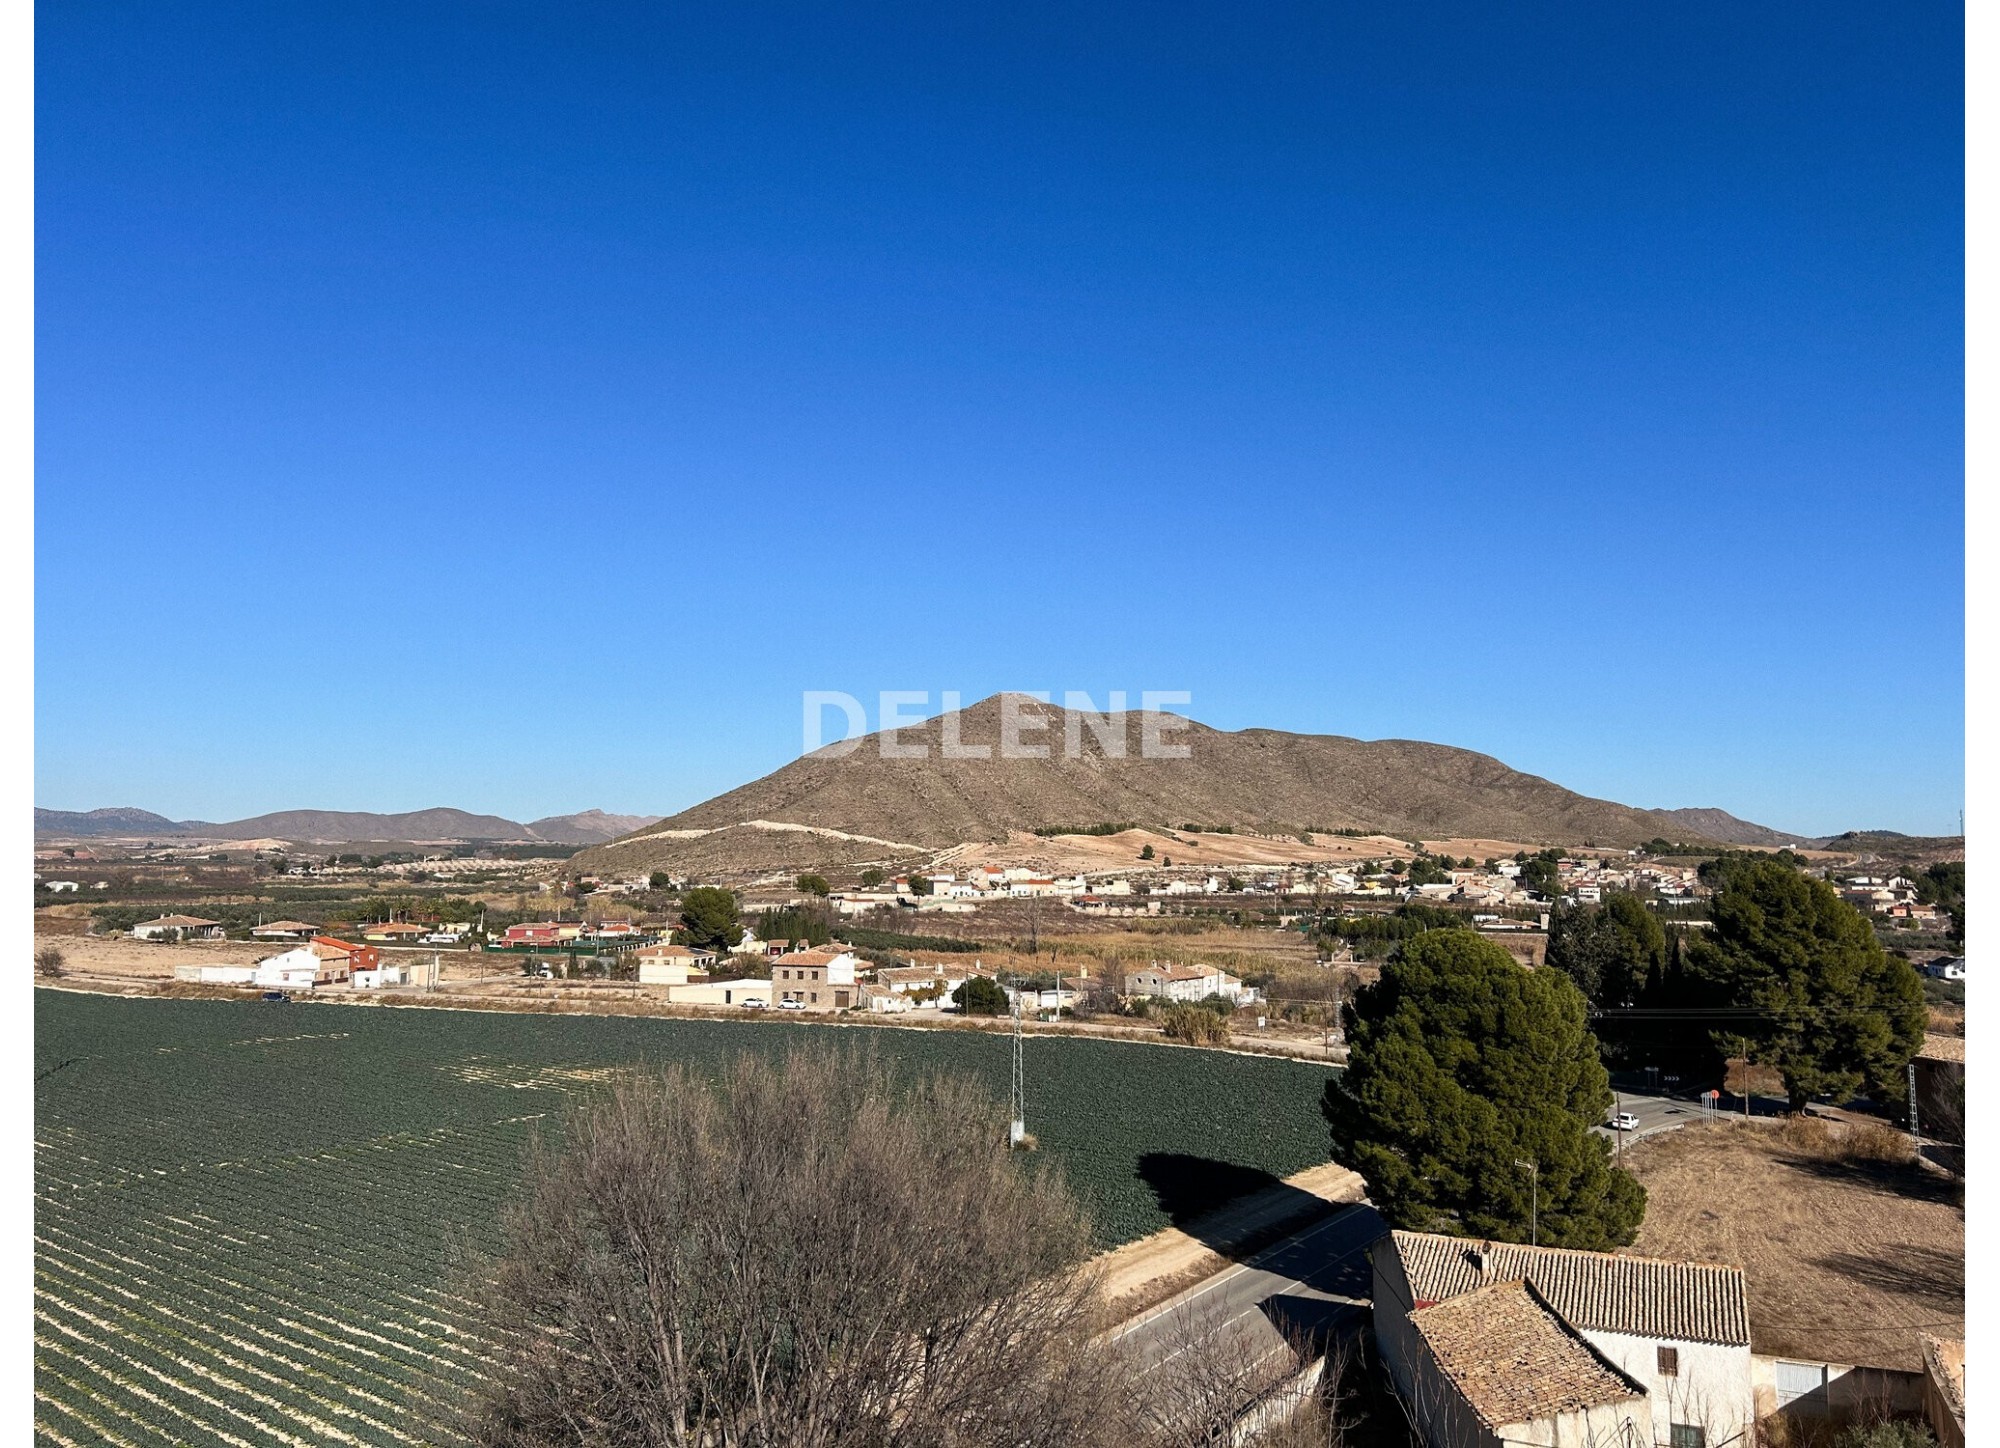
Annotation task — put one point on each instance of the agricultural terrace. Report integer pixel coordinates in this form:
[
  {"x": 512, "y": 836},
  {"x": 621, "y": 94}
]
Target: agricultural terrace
[{"x": 247, "y": 1214}]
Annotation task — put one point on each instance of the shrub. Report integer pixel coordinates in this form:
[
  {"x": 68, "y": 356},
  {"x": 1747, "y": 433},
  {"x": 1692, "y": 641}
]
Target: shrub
[
  {"x": 1194, "y": 1026},
  {"x": 1890, "y": 1433},
  {"x": 49, "y": 963}
]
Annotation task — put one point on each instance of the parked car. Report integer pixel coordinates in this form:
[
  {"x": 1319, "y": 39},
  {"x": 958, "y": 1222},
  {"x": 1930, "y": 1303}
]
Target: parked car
[
  {"x": 1623, "y": 1121},
  {"x": 277, "y": 996},
  {"x": 791, "y": 1005},
  {"x": 753, "y": 1005}
]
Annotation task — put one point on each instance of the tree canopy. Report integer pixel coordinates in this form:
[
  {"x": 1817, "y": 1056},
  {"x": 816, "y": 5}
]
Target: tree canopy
[
  {"x": 1461, "y": 1064},
  {"x": 980, "y": 996},
  {"x": 709, "y": 918},
  {"x": 1814, "y": 993},
  {"x": 1608, "y": 950}
]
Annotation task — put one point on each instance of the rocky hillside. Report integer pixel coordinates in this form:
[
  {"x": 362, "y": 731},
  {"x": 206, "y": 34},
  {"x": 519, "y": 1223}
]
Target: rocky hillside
[{"x": 834, "y": 806}]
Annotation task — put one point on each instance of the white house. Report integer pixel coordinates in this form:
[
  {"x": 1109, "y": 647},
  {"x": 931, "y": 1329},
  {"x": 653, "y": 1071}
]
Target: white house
[
  {"x": 885, "y": 1000},
  {"x": 177, "y": 927},
  {"x": 1187, "y": 983},
  {"x": 671, "y": 964},
  {"x": 299, "y": 969},
  {"x": 721, "y": 993},
  {"x": 1677, "y": 1332},
  {"x": 62, "y": 887},
  {"x": 376, "y": 976}
]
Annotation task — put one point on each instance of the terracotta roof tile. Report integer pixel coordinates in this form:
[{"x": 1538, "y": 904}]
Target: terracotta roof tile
[
  {"x": 1514, "y": 1360},
  {"x": 1692, "y": 1301}
]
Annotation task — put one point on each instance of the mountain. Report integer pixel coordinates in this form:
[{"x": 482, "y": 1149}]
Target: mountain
[
  {"x": 591, "y": 827},
  {"x": 1724, "y": 828},
  {"x": 835, "y": 806},
  {"x": 89, "y": 823},
  {"x": 330, "y": 827}
]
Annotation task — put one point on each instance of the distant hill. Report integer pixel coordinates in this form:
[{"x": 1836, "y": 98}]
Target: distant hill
[
  {"x": 328, "y": 826},
  {"x": 93, "y": 823},
  {"x": 591, "y": 827},
  {"x": 844, "y": 807},
  {"x": 1889, "y": 845},
  {"x": 332, "y": 827},
  {"x": 1724, "y": 828}
]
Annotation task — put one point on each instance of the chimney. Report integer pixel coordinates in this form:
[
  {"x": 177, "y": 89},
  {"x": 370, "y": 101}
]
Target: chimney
[{"x": 1481, "y": 1260}]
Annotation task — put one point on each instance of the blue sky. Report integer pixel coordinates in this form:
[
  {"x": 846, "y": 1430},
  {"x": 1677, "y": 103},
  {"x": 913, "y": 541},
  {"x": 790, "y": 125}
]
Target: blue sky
[{"x": 518, "y": 406}]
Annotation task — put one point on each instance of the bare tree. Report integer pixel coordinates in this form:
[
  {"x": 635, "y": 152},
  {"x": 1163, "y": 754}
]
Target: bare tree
[
  {"x": 49, "y": 963},
  {"x": 804, "y": 1252}
]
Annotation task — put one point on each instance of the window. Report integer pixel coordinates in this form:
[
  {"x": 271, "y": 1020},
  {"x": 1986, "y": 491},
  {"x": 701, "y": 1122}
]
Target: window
[
  {"x": 1686, "y": 1435},
  {"x": 1670, "y": 1362}
]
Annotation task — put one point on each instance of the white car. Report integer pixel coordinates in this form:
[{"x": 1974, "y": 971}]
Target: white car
[
  {"x": 791, "y": 1005},
  {"x": 1623, "y": 1121},
  {"x": 753, "y": 1005}
]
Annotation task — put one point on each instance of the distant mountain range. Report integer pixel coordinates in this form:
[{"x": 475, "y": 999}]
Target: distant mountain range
[
  {"x": 836, "y": 807},
  {"x": 333, "y": 827},
  {"x": 841, "y": 806}
]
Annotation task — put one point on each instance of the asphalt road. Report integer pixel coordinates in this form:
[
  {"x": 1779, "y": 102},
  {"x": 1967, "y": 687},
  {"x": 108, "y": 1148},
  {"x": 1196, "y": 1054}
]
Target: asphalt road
[
  {"x": 1313, "y": 1283},
  {"x": 1655, "y": 1113}
]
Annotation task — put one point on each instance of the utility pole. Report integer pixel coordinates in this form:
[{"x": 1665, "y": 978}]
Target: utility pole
[
  {"x": 1017, "y": 1127},
  {"x": 1912, "y": 1068},
  {"x": 1534, "y": 1200}
]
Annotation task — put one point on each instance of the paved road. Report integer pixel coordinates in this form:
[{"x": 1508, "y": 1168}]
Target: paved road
[
  {"x": 1655, "y": 1113},
  {"x": 1313, "y": 1282}
]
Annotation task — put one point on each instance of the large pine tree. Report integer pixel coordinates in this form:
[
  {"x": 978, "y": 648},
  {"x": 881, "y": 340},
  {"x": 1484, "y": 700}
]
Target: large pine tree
[
  {"x": 1461, "y": 1064},
  {"x": 1825, "y": 1004}
]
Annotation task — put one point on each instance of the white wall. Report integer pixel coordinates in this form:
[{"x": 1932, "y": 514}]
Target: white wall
[{"x": 1713, "y": 1390}]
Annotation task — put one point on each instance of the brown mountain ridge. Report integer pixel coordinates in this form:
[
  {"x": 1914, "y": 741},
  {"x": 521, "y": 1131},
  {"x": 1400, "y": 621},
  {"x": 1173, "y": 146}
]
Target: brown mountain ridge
[{"x": 836, "y": 806}]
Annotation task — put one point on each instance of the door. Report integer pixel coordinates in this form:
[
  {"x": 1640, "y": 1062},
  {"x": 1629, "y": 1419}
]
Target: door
[{"x": 1798, "y": 1381}]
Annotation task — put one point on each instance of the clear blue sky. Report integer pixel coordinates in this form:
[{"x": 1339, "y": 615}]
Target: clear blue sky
[{"x": 518, "y": 406}]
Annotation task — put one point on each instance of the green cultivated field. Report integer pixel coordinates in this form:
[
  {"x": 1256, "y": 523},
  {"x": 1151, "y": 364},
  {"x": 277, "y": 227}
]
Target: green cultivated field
[{"x": 245, "y": 1214}]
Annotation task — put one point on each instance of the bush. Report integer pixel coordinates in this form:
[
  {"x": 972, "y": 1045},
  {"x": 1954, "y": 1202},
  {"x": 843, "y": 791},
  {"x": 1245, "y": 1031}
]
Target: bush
[
  {"x": 1194, "y": 1026},
  {"x": 1891, "y": 1433},
  {"x": 49, "y": 963}
]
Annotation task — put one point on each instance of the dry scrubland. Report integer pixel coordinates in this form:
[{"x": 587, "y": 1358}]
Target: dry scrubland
[{"x": 1850, "y": 1248}]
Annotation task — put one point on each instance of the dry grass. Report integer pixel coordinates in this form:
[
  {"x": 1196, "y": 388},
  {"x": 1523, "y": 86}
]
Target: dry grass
[{"x": 1850, "y": 1248}]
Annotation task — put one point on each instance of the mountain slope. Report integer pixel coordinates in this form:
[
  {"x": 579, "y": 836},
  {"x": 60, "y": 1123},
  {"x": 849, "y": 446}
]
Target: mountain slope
[
  {"x": 1254, "y": 778},
  {"x": 84, "y": 824},
  {"x": 1726, "y": 829},
  {"x": 588, "y": 827}
]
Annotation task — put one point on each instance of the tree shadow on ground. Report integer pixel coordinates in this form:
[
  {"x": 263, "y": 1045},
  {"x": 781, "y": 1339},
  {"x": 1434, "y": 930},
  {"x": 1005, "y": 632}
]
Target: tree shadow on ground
[
  {"x": 1193, "y": 1190},
  {"x": 1896, "y": 1179},
  {"x": 1904, "y": 1268},
  {"x": 1312, "y": 1323}
]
